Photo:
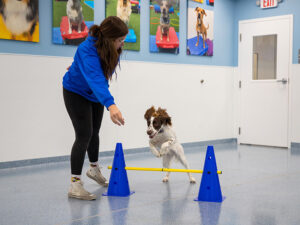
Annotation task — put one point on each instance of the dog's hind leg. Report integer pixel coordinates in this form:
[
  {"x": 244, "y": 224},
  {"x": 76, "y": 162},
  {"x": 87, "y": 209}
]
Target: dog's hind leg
[
  {"x": 166, "y": 164},
  {"x": 181, "y": 158}
]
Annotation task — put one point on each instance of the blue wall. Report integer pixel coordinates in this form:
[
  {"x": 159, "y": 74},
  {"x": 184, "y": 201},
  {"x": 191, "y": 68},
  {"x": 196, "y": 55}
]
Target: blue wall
[
  {"x": 247, "y": 9},
  {"x": 223, "y": 36},
  {"x": 227, "y": 14}
]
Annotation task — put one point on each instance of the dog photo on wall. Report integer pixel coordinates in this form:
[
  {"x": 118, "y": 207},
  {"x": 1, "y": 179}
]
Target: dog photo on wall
[
  {"x": 200, "y": 33},
  {"x": 19, "y": 20},
  {"x": 164, "y": 26},
  {"x": 71, "y": 21},
  {"x": 129, "y": 12}
]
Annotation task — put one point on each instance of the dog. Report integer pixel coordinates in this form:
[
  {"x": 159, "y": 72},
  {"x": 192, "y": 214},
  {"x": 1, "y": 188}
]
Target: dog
[
  {"x": 164, "y": 19},
  {"x": 74, "y": 14},
  {"x": 20, "y": 16},
  {"x": 200, "y": 27},
  {"x": 124, "y": 10},
  {"x": 163, "y": 141}
]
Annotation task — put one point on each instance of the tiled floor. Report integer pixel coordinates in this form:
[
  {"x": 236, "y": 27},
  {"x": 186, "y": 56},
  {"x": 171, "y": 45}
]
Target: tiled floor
[{"x": 261, "y": 186}]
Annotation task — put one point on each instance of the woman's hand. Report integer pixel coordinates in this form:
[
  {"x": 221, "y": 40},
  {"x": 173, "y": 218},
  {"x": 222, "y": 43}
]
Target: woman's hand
[{"x": 116, "y": 115}]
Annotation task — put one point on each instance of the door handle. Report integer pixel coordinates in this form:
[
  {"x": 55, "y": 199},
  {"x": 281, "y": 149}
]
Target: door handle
[{"x": 283, "y": 80}]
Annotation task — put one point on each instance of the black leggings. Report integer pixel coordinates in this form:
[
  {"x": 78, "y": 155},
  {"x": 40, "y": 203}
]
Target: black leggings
[{"x": 86, "y": 117}]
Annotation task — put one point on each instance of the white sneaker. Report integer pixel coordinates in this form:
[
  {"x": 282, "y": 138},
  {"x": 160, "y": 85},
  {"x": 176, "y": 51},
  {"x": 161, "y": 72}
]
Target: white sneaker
[
  {"x": 77, "y": 191},
  {"x": 95, "y": 174}
]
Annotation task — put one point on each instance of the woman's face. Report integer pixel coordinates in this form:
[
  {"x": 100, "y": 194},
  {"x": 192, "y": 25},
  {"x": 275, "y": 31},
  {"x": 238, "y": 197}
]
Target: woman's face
[{"x": 119, "y": 42}]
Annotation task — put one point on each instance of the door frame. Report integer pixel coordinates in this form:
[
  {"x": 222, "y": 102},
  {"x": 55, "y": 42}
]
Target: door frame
[{"x": 240, "y": 78}]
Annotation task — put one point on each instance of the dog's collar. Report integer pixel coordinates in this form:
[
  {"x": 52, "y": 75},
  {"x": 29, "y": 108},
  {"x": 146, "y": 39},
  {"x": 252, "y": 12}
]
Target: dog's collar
[{"x": 160, "y": 131}]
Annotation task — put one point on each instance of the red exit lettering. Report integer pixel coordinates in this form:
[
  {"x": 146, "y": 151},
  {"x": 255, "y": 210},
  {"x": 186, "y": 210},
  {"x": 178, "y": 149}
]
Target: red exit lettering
[{"x": 268, "y": 3}]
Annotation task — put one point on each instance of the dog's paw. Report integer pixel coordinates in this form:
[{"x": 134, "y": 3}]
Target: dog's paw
[
  {"x": 192, "y": 180},
  {"x": 158, "y": 155},
  {"x": 165, "y": 180}
]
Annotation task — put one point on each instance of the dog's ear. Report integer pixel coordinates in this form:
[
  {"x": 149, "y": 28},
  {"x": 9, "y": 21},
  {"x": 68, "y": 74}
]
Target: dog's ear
[
  {"x": 164, "y": 116},
  {"x": 171, "y": 3},
  {"x": 34, "y": 6},
  {"x": 196, "y": 9},
  {"x": 1, "y": 6},
  {"x": 159, "y": 2},
  {"x": 149, "y": 113},
  {"x": 203, "y": 12}
]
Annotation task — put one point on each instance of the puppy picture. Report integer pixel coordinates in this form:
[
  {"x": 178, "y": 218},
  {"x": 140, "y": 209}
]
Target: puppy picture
[
  {"x": 164, "y": 26},
  {"x": 71, "y": 21},
  {"x": 124, "y": 10},
  {"x": 164, "y": 19},
  {"x": 163, "y": 141},
  {"x": 200, "y": 30},
  {"x": 74, "y": 14},
  {"x": 129, "y": 12},
  {"x": 19, "y": 20}
]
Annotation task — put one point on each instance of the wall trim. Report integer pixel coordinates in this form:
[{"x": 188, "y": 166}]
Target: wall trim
[
  {"x": 295, "y": 145},
  {"x": 30, "y": 162}
]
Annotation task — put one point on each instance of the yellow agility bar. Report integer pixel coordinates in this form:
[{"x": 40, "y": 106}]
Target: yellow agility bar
[{"x": 164, "y": 170}]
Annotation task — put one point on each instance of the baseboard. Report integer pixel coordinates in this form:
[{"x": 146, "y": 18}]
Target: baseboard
[
  {"x": 30, "y": 162},
  {"x": 295, "y": 145}
]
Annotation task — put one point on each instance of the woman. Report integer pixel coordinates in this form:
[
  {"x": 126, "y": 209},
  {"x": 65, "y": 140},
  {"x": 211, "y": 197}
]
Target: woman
[{"x": 86, "y": 93}]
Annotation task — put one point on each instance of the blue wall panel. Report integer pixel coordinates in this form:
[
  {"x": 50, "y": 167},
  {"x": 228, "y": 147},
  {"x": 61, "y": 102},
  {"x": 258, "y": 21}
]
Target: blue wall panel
[
  {"x": 247, "y": 9},
  {"x": 227, "y": 14},
  {"x": 223, "y": 43}
]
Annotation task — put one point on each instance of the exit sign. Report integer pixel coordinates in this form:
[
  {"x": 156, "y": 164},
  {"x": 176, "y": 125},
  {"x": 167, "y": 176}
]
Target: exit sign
[{"x": 268, "y": 3}]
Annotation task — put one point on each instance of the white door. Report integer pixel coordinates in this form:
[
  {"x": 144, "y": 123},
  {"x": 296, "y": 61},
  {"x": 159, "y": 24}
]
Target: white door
[{"x": 264, "y": 61}]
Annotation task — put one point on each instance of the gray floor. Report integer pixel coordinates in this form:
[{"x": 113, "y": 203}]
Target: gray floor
[{"x": 261, "y": 186}]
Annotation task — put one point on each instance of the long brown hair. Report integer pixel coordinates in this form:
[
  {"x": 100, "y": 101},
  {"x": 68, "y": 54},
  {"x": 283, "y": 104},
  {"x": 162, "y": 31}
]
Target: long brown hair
[{"x": 109, "y": 30}]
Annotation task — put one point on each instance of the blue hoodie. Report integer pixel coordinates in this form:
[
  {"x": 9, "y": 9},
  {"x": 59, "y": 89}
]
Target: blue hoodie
[{"x": 86, "y": 77}]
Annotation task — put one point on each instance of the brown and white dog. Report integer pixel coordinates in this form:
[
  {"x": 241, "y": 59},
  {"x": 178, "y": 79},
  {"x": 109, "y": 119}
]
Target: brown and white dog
[
  {"x": 200, "y": 27},
  {"x": 164, "y": 19},
  {"x": 124, "y": 10},
  {"x": 163, "y": 141},
  {"x": 20, "y": 16},
  {"x": 75, "y": 15}
]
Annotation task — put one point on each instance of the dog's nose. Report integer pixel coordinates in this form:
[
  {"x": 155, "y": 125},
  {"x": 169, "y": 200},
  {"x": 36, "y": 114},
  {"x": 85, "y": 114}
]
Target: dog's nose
[{"x": 149, "y": 132}]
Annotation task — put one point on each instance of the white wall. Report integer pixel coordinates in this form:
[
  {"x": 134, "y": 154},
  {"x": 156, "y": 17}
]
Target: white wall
[
  {"x": 295, "y": 103},
  {"x": 35, "y": 124}
]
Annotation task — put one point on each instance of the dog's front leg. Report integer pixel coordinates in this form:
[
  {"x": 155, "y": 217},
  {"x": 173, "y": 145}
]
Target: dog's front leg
[
  {"x": 168, "y": 38},
  {"x": 70, "y": 26},
  {"x": 79, "y": 27},
  {"x": 197, "y": 39},
  {"x": 165, "y": 146},
  {"x": 154, "y": 150}
]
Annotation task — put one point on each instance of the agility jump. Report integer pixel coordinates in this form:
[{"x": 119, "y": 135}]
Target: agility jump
[
  {"x": 164, "y": 170},
  {"x": 209, "y": 191}
]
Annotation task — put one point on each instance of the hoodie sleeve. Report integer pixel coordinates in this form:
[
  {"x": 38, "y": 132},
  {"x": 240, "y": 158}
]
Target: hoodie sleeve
[{"x": 92, "y": 71}]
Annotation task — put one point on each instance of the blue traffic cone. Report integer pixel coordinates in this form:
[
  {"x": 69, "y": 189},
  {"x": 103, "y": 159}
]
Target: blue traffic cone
[
  {"x": 118, "y": 181},
  {"x": 210, "y": 190}
]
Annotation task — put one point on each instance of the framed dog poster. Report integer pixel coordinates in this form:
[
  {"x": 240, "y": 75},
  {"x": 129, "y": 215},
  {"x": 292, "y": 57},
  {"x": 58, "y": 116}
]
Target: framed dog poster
[
  {"x": 200, "y": 33},
  {"x": 19, "y": 20},
  {"x": 129, "y": 12},
  {"x": 164, "y": 26},
  {"x": 71, "y": 21}
]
